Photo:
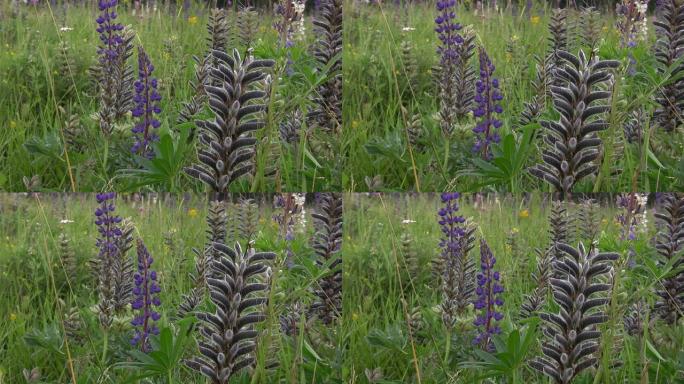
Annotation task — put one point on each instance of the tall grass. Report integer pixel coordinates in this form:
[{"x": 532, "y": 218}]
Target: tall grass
[
  {"x": 40, "y": 292},
  {"x": 378, "y": 85},
  {"x": 382, "y": 296},
  {"x": 38, "y": 94}
]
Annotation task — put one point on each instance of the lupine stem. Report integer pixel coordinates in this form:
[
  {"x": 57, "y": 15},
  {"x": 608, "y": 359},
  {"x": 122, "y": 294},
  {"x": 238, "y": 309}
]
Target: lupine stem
[{"x": 105, "y": 344}]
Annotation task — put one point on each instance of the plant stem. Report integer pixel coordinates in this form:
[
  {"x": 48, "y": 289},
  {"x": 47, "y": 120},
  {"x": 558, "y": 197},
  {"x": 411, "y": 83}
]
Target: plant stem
[
  {"x": 448, "y": 347},
  {"x": 447, "y": 145},
  {"x": 104, "y": 346}
]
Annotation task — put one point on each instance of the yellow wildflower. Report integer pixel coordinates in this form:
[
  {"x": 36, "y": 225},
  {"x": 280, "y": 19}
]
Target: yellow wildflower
[
  {"x": 524, "y": 214},
  {"x": 534, "y": 20},
  {"x": 355, "y": 316},
  {"x": 13, "y": 316},
  {"x": 192, "y": 20},
  {"x": 192, "y": 212},
  {"x": 355, "y": 124},
  {"x": 13, "y": 124}
]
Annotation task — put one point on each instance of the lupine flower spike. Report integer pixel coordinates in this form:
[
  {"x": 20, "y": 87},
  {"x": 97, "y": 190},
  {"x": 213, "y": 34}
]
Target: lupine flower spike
[
  {"x": 669, "y": 48},
  {"x": 488, "y": 293},
  {"x": 146, "y": 294},
  {"x": 227, "y": 150},
  {"x": 457, "y": 270},
  {"x": 327, "y": 244},
  {"x": 327, "y": 113},
  {"x": 113, "y": 75},
  {"x": 572, "y": 333},
  {"x": 108, "y": 227},
  {"x": 146, "y": 107},
  {"x": 669, "y": 244},
  {"x": 487, "y": 100},
  {"x": 572, "y": 143},
  {"x": 447, "y": 30},
  {"x": 228, "y": 334}
]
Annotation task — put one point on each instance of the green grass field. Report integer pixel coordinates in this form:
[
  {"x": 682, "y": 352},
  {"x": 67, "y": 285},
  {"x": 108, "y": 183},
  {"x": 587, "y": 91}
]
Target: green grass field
[
  {"x": 389, "y": 59},
  {"x": 392, "y": 296},
  {"x": 46, "y": 295},
  {"x": 42, "y": 87}
]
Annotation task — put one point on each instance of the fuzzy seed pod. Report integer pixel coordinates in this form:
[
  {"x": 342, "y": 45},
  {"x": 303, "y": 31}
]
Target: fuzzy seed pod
[
  {"x": 572, "y": 333},
  {"x": 248, "y": 219},
  {"x": 464, "y": 74},
  {"x": 590, "y": 25},
  {"x": 227, "y": 144},
  {"x": 327, "y": 244},
  {"x": 588, "y": 221},
  {"x": 290, "y": 127},
  {"x": 228, "y": 334},
  {"x": 73, "y": 133},
  {"x": 199, "y": 98},
  {"x": 327, "y": 111},
  {"x": 634, "y": 319},
  {"x": 558, "y": 42},
  {"x": 122, "y": 268},
  {"x": 458, "y": 270},
  {"x": 573, "y": 145},
  {"x": 409, "y": 61},
  {"x": 669, "y": 245},
  {"x": 669, "y": 48},
  {"x": 248, "y": 26},
  {"x": 634, "y": 127},
  {"x": 67, "y": 258},
  {"x": 535, "y": 301}
]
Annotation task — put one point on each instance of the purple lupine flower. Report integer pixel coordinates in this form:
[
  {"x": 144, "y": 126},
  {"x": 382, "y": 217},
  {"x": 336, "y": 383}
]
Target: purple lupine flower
[
  {"x": 110, "y": 32},
  {"x": 447, "y": 29},
  {"x": 455, "y": 268},
  {"x": 486, "y": 99},
  {"x": 146, "y": 298},
  {"x": 107, "y": 226},
  {"x": 488, "y": 298},
  {"x": 450, "y": 223},
  {"x": 104, "y": 266},
  {"x": 146, "y": 107}
]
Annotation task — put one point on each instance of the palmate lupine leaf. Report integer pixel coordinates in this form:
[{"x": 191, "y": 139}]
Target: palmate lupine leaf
[
  {"x": 669, "y": 245},
  {"x": 572, "y": 142},
  {"x": 227, "y": 143},
  {"x": 228, "y": 335},
  {"x": 327, "y": 112},
  {"x": 572, "y": 333},
  {"x": 669, "y": 49},
  {"x": 327, "y": 243}
]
